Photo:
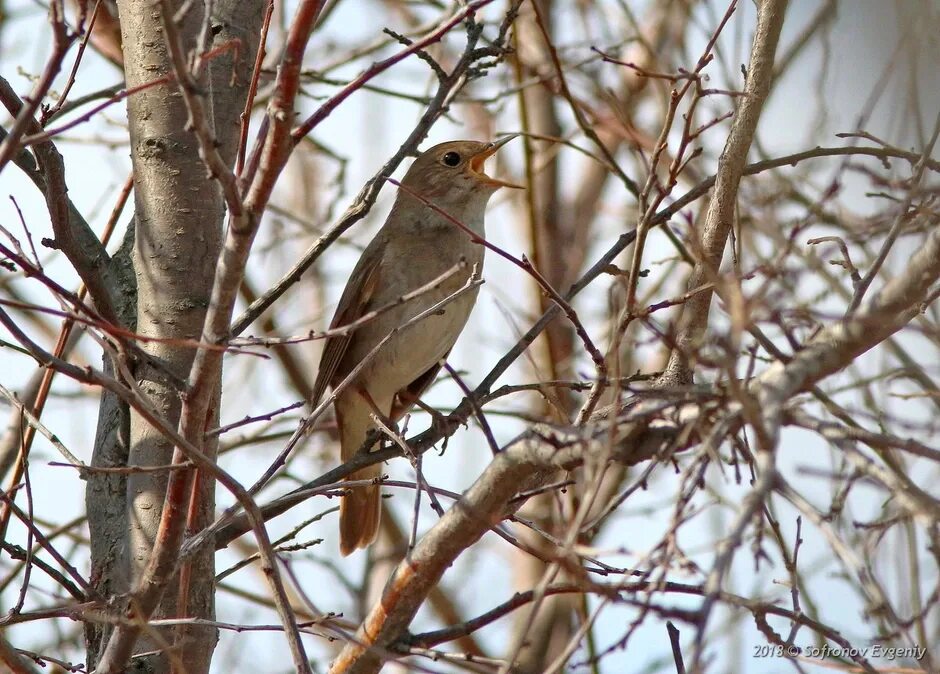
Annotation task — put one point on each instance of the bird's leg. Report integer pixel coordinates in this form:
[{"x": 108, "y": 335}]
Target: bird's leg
[
  {"x": 382, "y": 416},
  {"x": 439, "y": 422}
]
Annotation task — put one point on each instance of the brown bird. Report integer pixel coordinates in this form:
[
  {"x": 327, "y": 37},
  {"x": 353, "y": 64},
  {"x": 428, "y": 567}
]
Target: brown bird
[{"x": 416, "y": 245}]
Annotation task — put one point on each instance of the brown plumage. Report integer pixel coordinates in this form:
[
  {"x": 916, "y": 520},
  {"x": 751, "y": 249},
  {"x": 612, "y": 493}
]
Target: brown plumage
[{"x": 415, "y": 246}]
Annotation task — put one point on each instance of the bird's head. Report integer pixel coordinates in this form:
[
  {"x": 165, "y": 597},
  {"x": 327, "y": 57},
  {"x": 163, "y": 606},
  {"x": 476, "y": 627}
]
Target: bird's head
[{"x": 455, "y": 170}]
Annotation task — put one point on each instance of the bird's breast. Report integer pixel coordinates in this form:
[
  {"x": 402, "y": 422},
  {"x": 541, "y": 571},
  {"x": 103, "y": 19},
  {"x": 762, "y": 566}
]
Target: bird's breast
[{"x": 420, "y": 330}]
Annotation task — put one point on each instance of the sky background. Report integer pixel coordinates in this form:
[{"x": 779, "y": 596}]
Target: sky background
[{"x": 367, "y": 129}]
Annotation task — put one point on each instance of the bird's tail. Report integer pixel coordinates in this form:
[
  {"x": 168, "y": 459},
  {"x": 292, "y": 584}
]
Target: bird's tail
[
  {"x": 361, "y": 507},
  {"x": 359, "y": 513}
]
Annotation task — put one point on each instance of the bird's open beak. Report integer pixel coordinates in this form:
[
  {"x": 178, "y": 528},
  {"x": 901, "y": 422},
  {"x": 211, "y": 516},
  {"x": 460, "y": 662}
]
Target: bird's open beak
[{"x": 476, "y": 163}]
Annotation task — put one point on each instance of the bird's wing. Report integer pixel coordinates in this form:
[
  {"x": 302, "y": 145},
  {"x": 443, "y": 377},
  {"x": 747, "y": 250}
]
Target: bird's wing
[
  {"x": 406, "y": 397},
  {"x": 353, "y": 305}
]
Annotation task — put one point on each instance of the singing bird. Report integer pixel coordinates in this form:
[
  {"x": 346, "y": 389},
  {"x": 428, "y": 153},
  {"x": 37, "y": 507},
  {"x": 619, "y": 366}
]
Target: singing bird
[{"x": 417, "y": 245}]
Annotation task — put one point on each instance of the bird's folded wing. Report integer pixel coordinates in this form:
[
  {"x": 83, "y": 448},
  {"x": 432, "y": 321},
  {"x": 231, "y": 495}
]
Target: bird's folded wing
[
  {"x": 406, "y": 397},
  {"x": 352, "y": 306}
]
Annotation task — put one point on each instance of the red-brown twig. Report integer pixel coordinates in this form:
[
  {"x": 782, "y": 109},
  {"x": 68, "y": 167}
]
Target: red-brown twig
[
  {"x": 381, "y": 66},
  {"x": 206, "y": 365},
  {"x": 49, "y": 113},
  {"x": 253, "y": 89},
  {"x": 43, "y": 136},
  {"x": 46, "y": 383},
  {"x": 274, "y": 140},
  {"x": 61, "y": 41}
]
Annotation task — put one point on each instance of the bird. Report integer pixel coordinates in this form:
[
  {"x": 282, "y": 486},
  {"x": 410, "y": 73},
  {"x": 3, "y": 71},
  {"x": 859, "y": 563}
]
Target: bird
[{"x": 418, "y": 244}]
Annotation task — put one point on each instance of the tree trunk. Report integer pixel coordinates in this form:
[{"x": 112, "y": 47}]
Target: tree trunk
[{"x": 178, "y": 215}]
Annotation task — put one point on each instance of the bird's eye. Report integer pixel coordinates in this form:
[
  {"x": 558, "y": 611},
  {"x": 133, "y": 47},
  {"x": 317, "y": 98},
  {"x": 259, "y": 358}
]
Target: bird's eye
[{"x": 451, "y": 159}]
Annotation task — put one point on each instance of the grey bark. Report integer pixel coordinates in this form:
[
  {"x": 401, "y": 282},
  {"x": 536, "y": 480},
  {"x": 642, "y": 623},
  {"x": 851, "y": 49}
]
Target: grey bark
[
  {"x": 179, "y": 214},
  {"x": 105, "y": 492}
]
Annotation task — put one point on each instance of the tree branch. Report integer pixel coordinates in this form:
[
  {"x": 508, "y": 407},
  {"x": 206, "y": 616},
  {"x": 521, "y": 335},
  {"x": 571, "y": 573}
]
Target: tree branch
[
  {"x": 530, "y": 461},
  {"x": 731, "y": 166}
]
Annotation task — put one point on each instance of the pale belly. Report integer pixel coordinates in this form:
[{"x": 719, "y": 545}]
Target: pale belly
[{"x": 410, "y": 349}]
